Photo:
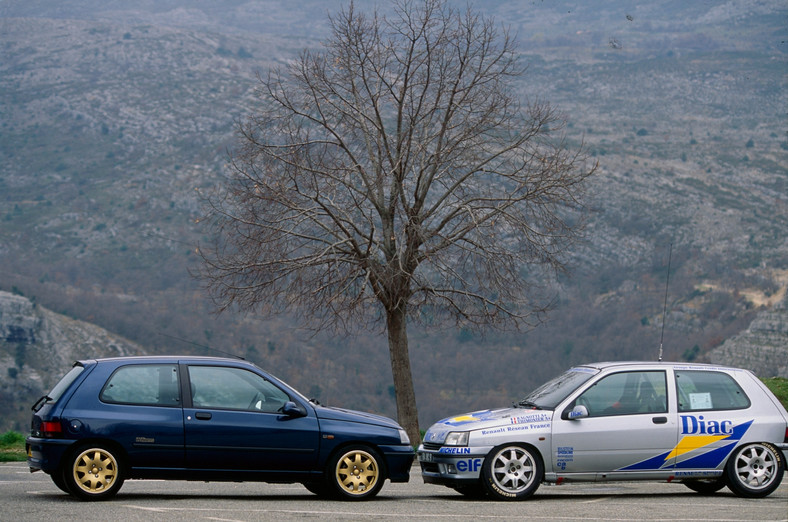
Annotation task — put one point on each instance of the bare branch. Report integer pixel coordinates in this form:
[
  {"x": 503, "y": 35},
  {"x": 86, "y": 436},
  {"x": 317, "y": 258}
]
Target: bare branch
[{"x": 395, "y": 174}]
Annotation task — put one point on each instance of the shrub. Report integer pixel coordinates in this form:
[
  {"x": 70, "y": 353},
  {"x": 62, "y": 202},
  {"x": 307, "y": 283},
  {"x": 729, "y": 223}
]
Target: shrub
[
  {"x": 11, "y": 438},
  {"x": 12, "y": 447},
  {"x": 779, "y": 388}
]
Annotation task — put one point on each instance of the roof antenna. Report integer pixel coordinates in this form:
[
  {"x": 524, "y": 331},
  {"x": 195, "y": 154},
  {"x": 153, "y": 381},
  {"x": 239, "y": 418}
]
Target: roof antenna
[
  {"x": 665, "y": 306},
  {"x": 206, "y": 347}
]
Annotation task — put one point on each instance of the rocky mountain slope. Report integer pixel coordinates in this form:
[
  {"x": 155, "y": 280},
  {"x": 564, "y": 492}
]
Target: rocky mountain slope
[
  {"x": 37, "y": 347},
  {"x": 762, "y": 347},
  {"x": 115, "y": 115}
]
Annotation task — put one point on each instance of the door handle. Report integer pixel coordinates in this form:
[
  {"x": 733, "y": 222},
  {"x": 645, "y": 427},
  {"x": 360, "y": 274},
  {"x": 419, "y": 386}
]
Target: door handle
[
  {"x": 202, "y": 415},
  {"x": 659, "y": 420}
]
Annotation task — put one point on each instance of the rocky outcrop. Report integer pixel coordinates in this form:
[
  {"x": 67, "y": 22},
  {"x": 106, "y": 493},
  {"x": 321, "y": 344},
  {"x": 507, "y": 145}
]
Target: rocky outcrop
[
  {"x": 18, "y": 320},
  {"x": 37, "y": 347},
  {"x": 762, "y": 348}
]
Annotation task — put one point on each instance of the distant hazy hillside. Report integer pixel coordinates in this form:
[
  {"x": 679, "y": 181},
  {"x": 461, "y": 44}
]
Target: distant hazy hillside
[
  {"x": 113, "y": 113},
  {"x": 37, "y": 347},
  {"x": 762, "y": 347}
]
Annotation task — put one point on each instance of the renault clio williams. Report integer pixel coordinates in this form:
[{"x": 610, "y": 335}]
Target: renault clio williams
[{"x": 207, "y": 419}]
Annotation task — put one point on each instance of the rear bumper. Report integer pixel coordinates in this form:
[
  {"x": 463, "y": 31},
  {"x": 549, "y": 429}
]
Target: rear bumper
[
  {"x": 784, "y": 447},
  {"x": 45, "y": 454}
]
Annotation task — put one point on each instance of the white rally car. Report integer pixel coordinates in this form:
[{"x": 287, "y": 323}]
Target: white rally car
[{"x": 704, "y": 426}]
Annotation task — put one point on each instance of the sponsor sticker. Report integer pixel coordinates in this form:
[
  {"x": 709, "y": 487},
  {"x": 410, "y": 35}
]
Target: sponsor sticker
[
  {"x": 534, "y": 417},
  {"x": 469, "y": 465},
  {"x": 455, "y": 451},
  {"x": 564, "y": 454}
]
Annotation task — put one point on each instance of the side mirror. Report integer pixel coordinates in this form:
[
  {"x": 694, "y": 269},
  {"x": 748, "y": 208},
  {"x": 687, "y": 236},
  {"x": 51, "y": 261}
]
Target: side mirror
[
  {"x": 578, "y": 412},
  {"x": 291, "y": 409}
]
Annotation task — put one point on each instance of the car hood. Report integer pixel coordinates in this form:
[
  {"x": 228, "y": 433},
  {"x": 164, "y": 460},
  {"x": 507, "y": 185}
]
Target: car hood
[
  {"x": 341, "y": 414},
  {"x": 486, "y": 419}
]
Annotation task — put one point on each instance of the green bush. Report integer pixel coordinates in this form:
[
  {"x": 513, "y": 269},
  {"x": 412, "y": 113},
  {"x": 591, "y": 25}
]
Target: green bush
[
  {"x": 779, "y": 388},
  {"x": 12, "y": 447},
  {"x": 11, "y": 438}
]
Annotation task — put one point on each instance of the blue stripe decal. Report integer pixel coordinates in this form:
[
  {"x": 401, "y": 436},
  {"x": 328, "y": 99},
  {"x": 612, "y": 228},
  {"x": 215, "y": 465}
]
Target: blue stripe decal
[
  {"x": 652, "y": 463},
  {"x": 708, "y": 460},
  {"x": 705, "y": 457}
]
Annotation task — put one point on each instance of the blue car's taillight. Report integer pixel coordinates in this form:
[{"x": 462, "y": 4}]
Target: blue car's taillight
[{"x": 51, "y": 430}]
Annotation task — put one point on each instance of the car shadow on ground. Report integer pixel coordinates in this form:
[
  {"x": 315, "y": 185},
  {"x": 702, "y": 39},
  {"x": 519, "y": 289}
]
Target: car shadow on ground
[{"x": 57, "y": 496}]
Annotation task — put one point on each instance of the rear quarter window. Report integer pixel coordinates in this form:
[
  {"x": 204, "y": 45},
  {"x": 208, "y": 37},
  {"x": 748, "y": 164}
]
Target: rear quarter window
[
  {"x": 709, "y": 390},
  {"x": 143, "y": 384},
  {"x": 65, "y": 382}
]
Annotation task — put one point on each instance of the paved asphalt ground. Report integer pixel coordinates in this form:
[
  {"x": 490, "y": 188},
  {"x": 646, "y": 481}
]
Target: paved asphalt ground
[{"x": 25, "y": 496}]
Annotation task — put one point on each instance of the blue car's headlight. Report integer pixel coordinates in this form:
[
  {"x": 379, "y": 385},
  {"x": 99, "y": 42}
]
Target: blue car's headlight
[
  {"x": 403, "y": 437},
  {"x": 457, "y": 438}
]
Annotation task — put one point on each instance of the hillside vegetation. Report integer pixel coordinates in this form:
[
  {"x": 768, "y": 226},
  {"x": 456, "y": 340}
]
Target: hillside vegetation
[{"x": 114, "y": 114}]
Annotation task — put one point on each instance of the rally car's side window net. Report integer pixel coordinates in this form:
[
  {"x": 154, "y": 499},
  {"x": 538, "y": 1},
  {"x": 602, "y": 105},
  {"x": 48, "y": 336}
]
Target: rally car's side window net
[{"x": 707, "y": 390}]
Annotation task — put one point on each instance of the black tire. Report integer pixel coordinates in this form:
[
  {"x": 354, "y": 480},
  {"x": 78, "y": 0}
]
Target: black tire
[
  {"x": 706, "y": 486},
  {"x": 60, "y": 482},
  {"x": 93, "y": 472},
  {"x": 318, "y": 488},
  {"x": 512, "y": 472},
  {"x": 355, "y": 473},
  {"x": 755, "y": 470}
]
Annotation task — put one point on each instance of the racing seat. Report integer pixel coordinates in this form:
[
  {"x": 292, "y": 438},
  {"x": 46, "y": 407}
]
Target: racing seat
[{"x": 648, "y": 399}]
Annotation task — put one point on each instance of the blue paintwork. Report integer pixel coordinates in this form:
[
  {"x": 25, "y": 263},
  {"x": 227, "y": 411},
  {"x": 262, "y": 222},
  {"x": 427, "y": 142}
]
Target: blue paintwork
[{"x": 183, "y": 442}]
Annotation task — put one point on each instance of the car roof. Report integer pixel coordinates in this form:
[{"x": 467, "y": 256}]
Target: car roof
[
  {"x": 653, "y": 364},
  {"x": 168, "y": 358}
]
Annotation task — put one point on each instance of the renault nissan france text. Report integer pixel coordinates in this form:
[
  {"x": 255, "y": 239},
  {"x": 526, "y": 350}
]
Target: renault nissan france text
[{"x": 704, "y": 426}]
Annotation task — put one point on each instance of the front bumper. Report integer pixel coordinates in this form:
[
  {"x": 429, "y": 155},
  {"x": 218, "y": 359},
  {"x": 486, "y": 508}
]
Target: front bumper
[
  {"x": 461, "y": 467},
  {"x": 399, "y": 460}
]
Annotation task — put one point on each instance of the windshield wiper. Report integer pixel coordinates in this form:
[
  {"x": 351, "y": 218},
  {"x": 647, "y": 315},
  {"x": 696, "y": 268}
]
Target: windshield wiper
[
  {"x": 528, "y": 404},
  {"x": 40, "y": 402}
]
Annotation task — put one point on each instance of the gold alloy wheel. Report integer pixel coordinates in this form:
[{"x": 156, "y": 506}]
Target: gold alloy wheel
[
  {"x": 95, "y": 471},
  {"x": 357, "y": 472}
]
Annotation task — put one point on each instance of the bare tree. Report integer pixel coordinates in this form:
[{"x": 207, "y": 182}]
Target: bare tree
[{"x": 396, "y": 176}]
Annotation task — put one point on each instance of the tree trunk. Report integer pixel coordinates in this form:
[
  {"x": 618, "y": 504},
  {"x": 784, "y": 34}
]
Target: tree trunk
[{"x": 407, "y": 414}]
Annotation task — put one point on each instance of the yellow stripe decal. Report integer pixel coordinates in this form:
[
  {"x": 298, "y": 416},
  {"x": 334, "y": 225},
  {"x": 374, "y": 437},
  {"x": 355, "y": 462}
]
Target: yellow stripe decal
[{"x": 693, "y": 442}]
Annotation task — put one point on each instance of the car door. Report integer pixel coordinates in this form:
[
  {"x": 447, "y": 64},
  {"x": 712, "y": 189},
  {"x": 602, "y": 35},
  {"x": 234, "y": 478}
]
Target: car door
[
  {"x": 628, "y": 427},
  {"x": 141, "y": 409},
  {"x": 235, "y": 422}
]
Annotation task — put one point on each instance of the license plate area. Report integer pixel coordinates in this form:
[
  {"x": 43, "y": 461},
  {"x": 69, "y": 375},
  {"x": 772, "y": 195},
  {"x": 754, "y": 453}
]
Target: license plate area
[{"x": 426, "y": 457}]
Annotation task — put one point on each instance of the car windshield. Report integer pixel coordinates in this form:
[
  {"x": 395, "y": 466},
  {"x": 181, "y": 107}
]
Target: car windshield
[{"x": 551, "y": 393}]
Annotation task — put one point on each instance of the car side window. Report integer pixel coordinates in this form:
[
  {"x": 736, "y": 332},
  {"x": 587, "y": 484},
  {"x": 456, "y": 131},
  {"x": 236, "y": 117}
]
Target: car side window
[
  {"x": 626, "y": 393},
  {"x": 143, "y": 384},
  {"x": 700, "y": 390},
  {"x": 234, "y": 389}
]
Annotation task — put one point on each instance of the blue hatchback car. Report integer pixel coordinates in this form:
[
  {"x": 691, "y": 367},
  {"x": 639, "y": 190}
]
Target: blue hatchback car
[{"x": 207, "y": 419}]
